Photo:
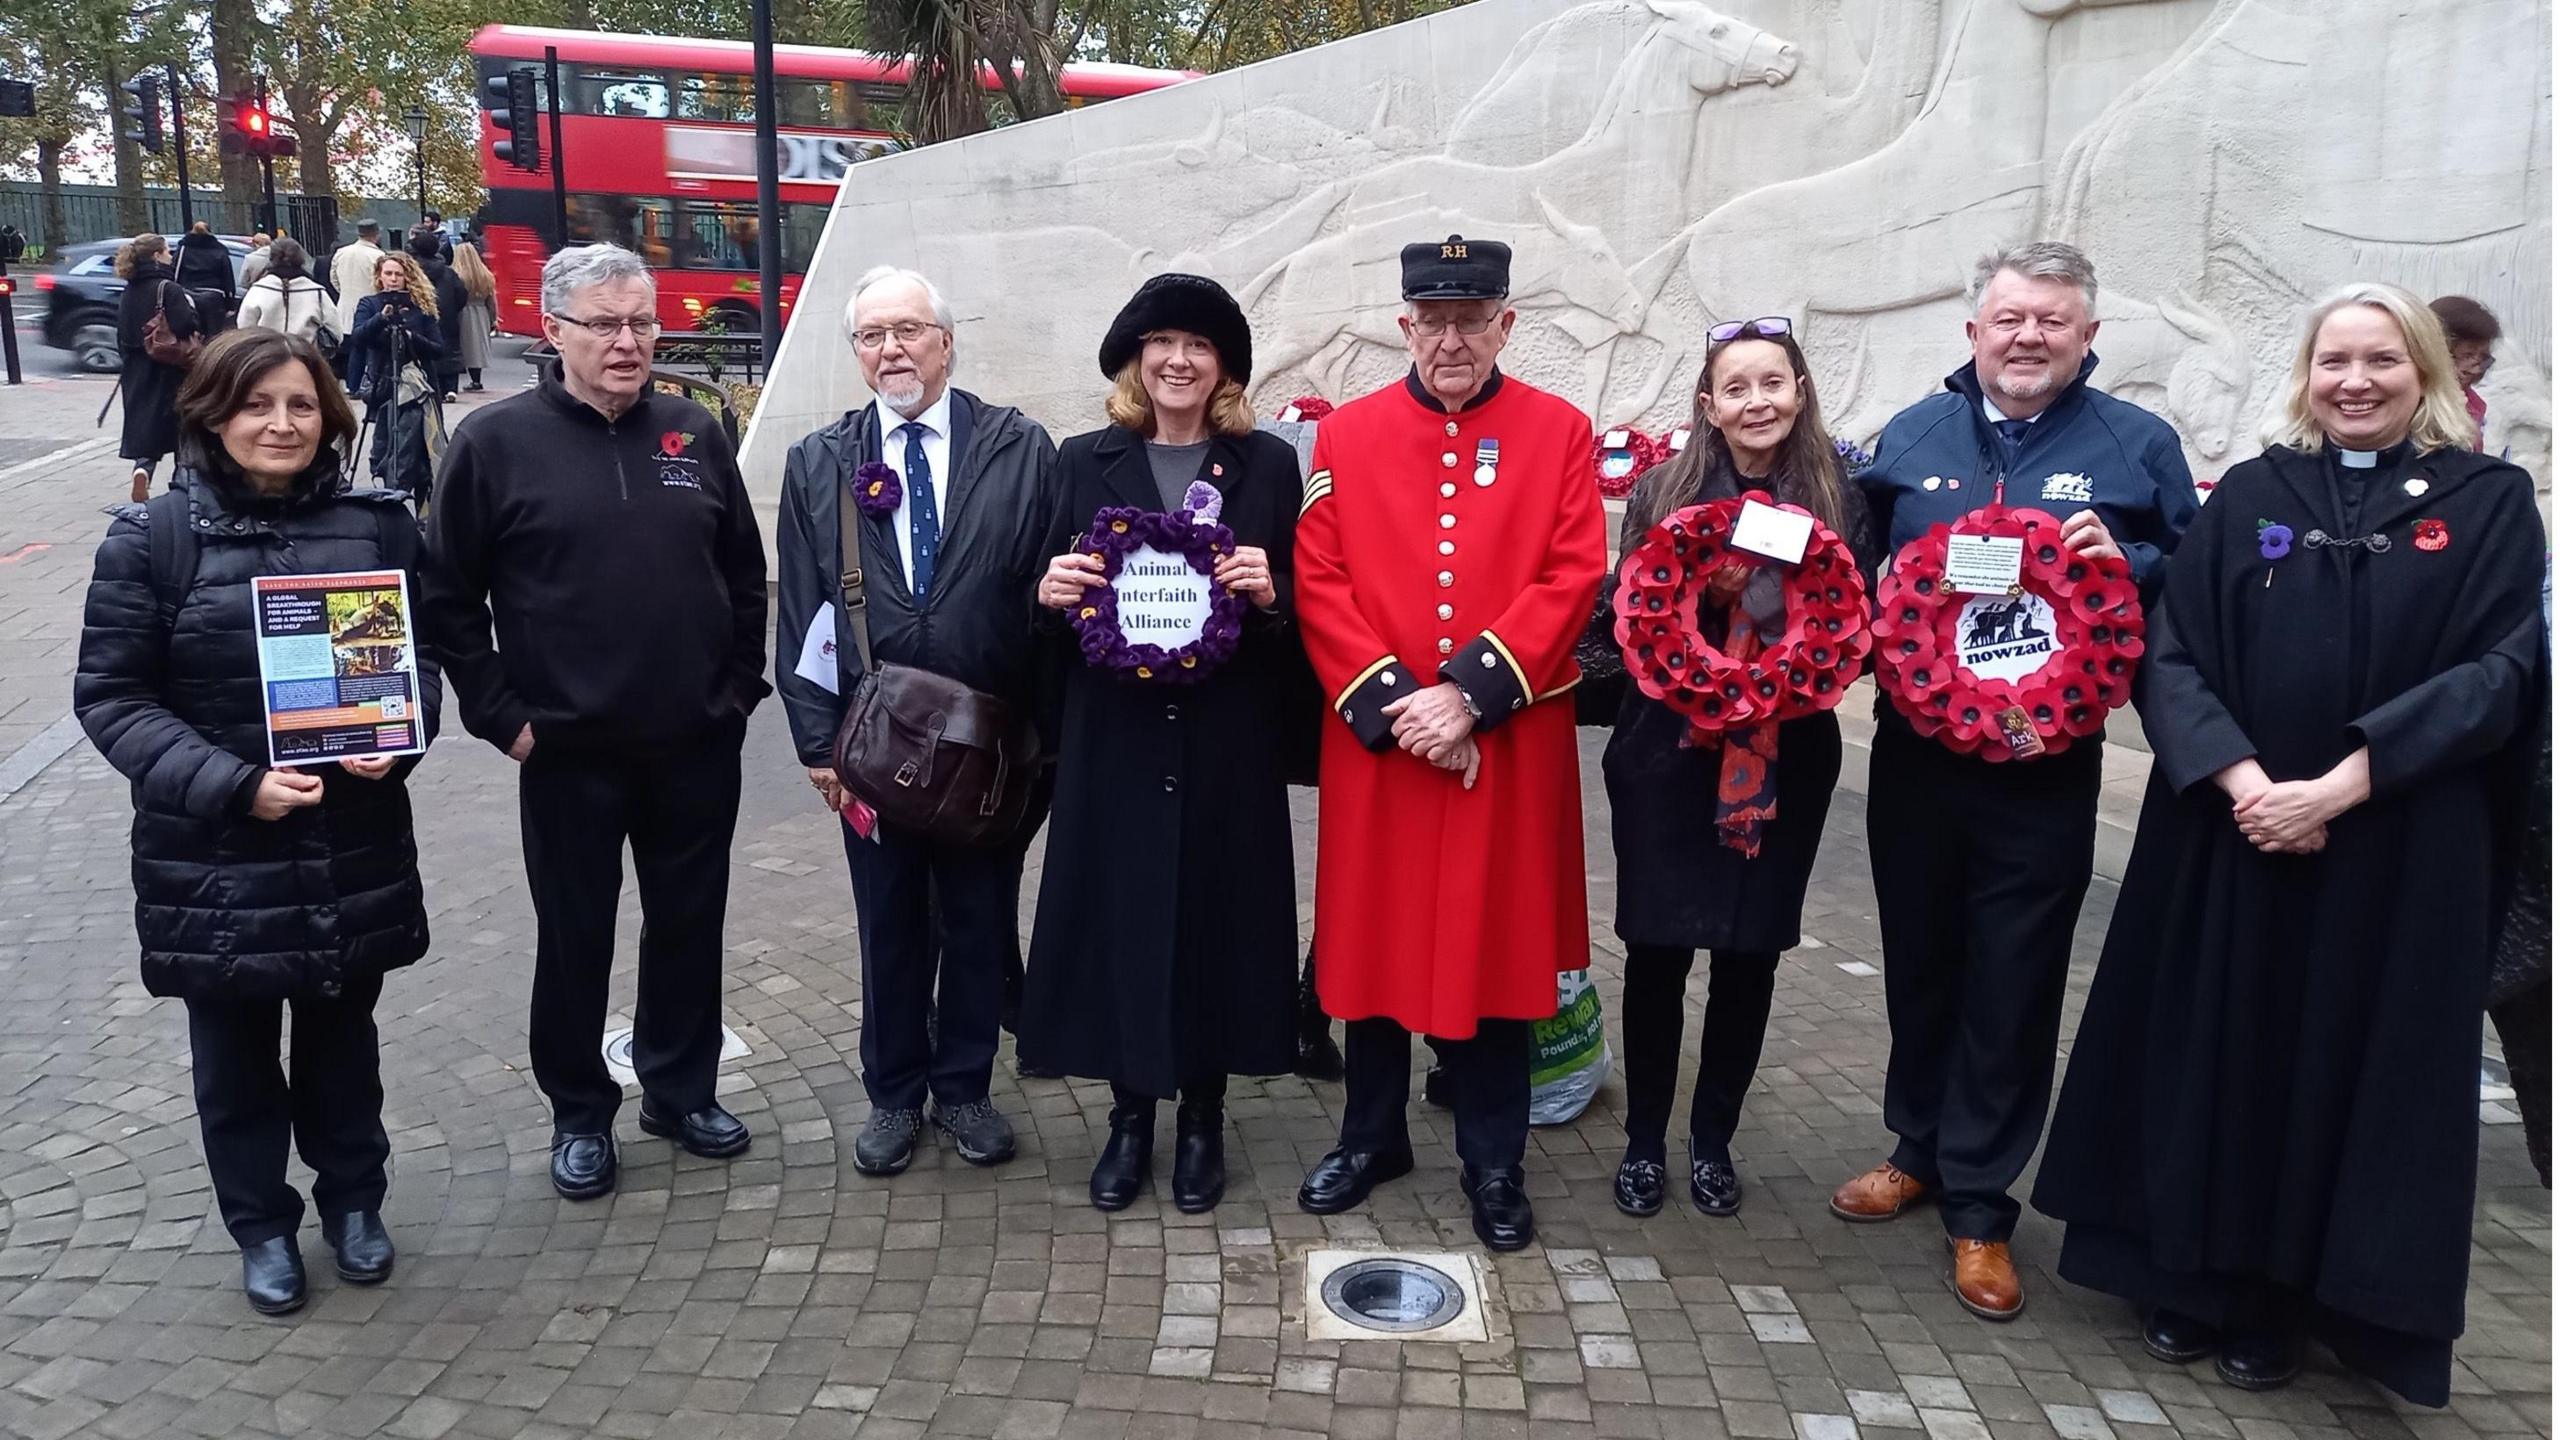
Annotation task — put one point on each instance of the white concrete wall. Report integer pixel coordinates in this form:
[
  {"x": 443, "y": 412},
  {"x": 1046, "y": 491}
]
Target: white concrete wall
[{"x": 1658, "y": 163}]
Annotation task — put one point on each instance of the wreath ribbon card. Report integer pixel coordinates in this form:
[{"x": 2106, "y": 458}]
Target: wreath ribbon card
[
  {"x": 1159, "y": 614},
  {"x": 2014, "y": 671}
]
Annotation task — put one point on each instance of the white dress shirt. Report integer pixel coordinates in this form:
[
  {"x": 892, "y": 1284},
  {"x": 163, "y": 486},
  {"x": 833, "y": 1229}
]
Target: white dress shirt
[{"x": 936, "y": 421}]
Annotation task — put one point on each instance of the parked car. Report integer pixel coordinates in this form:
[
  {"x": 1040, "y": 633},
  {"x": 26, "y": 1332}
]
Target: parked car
[{"x": 80, "y": 300}]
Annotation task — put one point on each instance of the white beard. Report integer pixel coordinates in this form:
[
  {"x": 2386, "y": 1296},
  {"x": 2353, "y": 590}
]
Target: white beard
[
  {"x": 907, "y": 399},
  {"x": 2025, "y": 389}
]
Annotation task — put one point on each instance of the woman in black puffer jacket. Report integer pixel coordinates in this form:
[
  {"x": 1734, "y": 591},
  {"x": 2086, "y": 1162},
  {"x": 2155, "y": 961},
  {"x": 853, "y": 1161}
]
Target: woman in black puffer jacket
[{"x": 255, "y": 887}]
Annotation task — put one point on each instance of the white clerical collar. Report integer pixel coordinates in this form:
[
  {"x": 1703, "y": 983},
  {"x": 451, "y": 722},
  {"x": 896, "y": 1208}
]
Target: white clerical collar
[
  {"x": 936, "y": 416},
  {"x": 1993, "y": 414},
  {"x": 2359, "y": 459}
]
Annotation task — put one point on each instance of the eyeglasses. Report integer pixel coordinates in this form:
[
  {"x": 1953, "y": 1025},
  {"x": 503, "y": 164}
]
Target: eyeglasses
[
  {"x": 641, "y": 326},
  {"x": 1432, "y": 327},
  {"x": 1767, "y": 327},
  {"x": 872, "y": 337}
]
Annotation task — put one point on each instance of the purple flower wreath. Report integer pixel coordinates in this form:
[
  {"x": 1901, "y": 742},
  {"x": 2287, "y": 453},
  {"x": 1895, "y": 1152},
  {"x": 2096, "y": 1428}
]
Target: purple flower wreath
[
  {"x": 875, "y": 489},
  {"x": 1192, "y": 532}
]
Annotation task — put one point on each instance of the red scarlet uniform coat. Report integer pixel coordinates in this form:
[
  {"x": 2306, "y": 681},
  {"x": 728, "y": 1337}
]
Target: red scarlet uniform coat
[{"x": 1438, "y": 906}]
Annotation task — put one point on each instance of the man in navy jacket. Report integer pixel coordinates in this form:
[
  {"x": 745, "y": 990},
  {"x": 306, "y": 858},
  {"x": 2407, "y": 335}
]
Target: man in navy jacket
[{"x": 1980, "y": 867}]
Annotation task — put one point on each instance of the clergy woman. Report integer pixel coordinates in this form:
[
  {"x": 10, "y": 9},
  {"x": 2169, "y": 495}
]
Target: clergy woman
[
  {"x": 1164, "y": 956},
  {"x": 2270, "y": 1126},
  {"x": 1703, "y": 865}
]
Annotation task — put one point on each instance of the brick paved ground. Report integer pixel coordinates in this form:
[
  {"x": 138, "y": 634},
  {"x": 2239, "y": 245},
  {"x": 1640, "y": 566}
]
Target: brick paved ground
[{"x": 784, "y": 1295}]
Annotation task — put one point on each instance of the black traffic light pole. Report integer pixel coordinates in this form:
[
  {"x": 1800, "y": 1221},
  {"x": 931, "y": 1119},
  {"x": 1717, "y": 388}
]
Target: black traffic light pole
[
  {"x": 768, "y": 190},
  {"x": 559, "y": 161},
  {"x": 178, "y": 133},
  {"x": 266, "y": 157}
]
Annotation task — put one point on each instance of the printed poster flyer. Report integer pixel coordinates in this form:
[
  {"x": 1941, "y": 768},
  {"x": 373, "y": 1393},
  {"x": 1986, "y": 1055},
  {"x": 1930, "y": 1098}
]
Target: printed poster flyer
[{"x": 339, "y": 666}]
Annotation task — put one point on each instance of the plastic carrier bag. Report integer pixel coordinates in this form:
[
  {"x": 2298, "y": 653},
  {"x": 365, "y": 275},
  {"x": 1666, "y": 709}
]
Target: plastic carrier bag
[{"x": 1569, "y": 1053}]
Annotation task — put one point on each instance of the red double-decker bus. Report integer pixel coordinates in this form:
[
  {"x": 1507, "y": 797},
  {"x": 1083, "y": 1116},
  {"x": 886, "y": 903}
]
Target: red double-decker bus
[{"x": 660, "y": 135}]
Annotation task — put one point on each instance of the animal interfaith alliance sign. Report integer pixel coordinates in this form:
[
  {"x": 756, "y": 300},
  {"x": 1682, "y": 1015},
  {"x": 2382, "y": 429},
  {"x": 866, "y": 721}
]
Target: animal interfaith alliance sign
[{"x": 1159, "y": 613}]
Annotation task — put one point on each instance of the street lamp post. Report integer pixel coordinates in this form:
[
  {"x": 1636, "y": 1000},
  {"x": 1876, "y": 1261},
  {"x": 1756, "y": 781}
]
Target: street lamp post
[{"x": 416, "y": 120}]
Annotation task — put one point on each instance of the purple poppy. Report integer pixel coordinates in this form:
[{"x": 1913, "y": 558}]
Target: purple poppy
[
  {"x": 2274, "y": 541},
  {"x": 875, "y": 489}
]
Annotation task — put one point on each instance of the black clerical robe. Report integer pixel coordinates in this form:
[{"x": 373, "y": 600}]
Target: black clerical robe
[{"x": 2271, "y": 1115}]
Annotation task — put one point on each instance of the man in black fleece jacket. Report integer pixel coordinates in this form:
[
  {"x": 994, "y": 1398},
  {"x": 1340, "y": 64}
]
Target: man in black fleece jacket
[{"x": 606, "y": 529}]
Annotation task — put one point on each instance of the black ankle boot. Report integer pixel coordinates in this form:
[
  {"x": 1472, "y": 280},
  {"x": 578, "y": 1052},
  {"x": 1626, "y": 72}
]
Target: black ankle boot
[
  {"x": 1120, "y": 1172},
  {"x": 1318, "y": 1057},
  {"x": 1199, "y": 1156}
]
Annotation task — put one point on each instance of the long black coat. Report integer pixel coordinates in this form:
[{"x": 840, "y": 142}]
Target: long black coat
[
  {"x": 229, "y": 906},
  {"x": 1165, "y": 948},
  {"x": 2276, "y": 1083},
  {"x": 150, "y": 389},
  {"x": 1678, "y": 884},
  {"x": 452, "y": 299}
]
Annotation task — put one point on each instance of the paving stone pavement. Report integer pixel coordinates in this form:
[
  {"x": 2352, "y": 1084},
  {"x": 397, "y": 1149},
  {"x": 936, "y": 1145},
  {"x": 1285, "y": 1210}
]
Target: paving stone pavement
[{"x": 782, "y": 1294}]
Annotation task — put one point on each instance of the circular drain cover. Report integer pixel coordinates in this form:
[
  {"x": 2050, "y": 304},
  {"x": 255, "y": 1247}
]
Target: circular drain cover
[{"x": 1393, "y": 1296}]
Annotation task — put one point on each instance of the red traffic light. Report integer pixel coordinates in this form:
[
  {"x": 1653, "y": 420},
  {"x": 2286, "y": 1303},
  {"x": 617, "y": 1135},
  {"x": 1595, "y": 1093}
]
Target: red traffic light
[
  {"x": 253, "y": 121},
  {"x": 8, "y": 286}
]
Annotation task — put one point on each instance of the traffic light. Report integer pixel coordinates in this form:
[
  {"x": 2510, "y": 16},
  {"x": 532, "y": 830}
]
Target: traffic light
[
  {"x": 144, "y": 112},
  {"x": 17, "y": 98},
  {"x": 249, "y": 129},
  {"x": 513, "y": 107}
]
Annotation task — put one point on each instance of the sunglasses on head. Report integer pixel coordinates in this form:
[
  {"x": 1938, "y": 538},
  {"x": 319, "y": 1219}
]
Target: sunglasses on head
[{"x": 1767, "y": 327}]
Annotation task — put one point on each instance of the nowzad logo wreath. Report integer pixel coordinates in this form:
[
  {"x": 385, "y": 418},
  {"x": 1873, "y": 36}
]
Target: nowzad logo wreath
[
  {"x": 1806, "y": 670},
  {"x": 2014, "y": 676}
]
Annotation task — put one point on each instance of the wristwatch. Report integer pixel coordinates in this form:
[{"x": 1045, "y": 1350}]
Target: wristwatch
[{"x": 1475, "y": 712}]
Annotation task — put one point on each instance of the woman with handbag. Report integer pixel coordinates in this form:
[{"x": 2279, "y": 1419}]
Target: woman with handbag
[
  {"x": 258, "y": 887},
  {"x": 392, "y": 348},
  {"x": 1164, "y": 954},
  {"x": 157, "y": 334}
]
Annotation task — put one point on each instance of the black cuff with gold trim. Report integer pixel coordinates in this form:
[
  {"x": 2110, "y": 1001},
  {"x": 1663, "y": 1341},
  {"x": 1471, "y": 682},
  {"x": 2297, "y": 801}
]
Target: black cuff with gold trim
[
  {"x": 1363, "y": 703},
  {"x": 1492, "y": 679}
]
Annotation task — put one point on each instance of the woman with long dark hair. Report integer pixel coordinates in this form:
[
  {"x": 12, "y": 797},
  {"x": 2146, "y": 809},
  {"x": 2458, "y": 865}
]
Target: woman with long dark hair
[
  {"x": 1715, "y": 841},
  {"x": 149, "y": 386}
]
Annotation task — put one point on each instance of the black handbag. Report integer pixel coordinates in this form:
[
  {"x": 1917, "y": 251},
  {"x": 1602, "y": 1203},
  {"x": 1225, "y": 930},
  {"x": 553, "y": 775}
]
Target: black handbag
[{"x": 928, "y": 753}]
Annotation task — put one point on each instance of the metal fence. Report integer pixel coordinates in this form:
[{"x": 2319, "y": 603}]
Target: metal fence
[{"x": 89, "y": 213}]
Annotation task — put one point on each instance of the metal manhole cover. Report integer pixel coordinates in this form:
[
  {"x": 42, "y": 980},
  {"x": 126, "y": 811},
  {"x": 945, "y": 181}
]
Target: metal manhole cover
[{"x": 1393, "y": 1296}]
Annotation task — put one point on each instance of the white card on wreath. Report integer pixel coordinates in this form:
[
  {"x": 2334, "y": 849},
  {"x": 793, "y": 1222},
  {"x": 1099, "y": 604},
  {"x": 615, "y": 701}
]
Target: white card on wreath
[
  {"x": 1163, "y": 599},
  {"x": 1772, "y": 533},
  {"x": 1984, "y": 564}
]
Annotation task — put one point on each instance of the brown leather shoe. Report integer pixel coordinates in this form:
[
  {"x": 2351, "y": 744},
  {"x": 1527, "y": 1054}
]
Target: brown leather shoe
[
  {"x": 1986, "y": 1283},
  {"x": 1880, "y": 1194}
]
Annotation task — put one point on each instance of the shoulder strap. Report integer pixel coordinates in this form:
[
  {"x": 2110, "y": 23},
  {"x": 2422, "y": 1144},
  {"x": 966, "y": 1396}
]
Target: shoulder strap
[
  {"x": 174, "y": 552},
  {"x": 849, "y": 556}
]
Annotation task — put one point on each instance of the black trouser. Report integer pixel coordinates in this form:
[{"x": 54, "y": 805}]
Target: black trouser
[
  {"x": 399, "y": 459},
  {"x": 678, "y": 810},
  {"x": 2524, "y": 1037},
  {"x": 1208, "y": 1090},
  {"x": 1979, "y": 871},
  {"x": 330, "y": 1107},
  {"x": 903, "y": 885},
  {"x": 1739, "y": 983},
  {"x": 1489, "y": 1088}
]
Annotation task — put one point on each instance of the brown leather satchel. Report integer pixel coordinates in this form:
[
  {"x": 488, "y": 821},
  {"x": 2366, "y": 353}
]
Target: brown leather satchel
[
  {"x": 925, "y": 751},
  {"x": 161, "y": 342}
]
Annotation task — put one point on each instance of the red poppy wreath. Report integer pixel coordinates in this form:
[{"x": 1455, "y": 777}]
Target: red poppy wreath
[
  {"x": 2007, "y": 676},
  {"x": 1671, "y": 657},
  {"x": 1618, "y": 467}
]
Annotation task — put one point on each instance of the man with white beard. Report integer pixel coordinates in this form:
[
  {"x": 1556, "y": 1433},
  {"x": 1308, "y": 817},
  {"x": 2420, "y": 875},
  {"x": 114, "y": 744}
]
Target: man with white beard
[{"x": 952, "y": 537}]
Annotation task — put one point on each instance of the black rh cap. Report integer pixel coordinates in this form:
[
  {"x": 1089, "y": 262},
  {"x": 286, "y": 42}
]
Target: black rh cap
[{"x": 1457, "y": 269}]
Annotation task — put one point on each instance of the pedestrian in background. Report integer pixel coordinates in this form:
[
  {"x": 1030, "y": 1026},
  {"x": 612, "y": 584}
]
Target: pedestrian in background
[
  {"x": 1701, "y": 865},
  {"x": 479, "y": 312},
  {"x": 148, "y": 383},
  {"x": 257, "y": 888},
  {"x": 286, "y": 299},
  {"x": 258, "y": 259},
  {"x": 2271, "y": 1128},
  {"x": 452, "y": 299},
  {"x": 391, "y": 350},
  {"x": 351, "y": 271},
  {"x": 1164, "y": 953},
  {"x": 602, "y": 530},
  {"x": 2473, "y": 333},
  {"x": 204, "y": 267}
]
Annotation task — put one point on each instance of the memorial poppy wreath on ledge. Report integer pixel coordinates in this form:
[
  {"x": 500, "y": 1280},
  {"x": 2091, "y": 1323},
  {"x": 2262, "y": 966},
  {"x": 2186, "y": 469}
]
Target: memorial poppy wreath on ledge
[
  {"x": 1307, "y": 407},
  {"x": 2015, "y": 676},
  {"x": 1618, "y": 467},
  {"x": 1193, "y": 532}
]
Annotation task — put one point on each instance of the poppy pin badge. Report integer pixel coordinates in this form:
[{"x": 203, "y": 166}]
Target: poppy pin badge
[{"x": 2432, "y": 536}]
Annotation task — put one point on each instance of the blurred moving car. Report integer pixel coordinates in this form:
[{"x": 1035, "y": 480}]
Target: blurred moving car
[{"x": 80, "y": 297}]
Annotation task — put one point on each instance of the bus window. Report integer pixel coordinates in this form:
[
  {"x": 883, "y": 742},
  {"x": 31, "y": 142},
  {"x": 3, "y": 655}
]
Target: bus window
[
  {"x": 625, "y": 93},
  {"x": 801, "y": 227},
  {"x": 716, "y": 97},
  {"x": 809, "y": 102},
  {"x": 717, "y": 235},
  {"x": 643, "y": 227}
]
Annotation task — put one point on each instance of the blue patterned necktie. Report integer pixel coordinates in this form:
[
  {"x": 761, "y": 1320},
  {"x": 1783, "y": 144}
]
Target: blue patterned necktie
[
  {"x": 2013, "y": 438},
  {"x": 925, "y": 525}
]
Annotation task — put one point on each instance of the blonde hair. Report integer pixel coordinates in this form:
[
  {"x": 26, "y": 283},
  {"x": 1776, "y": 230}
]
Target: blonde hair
[
  {"x": 2442, "y": 423},
  {"x": 140, "y": 250},
  {"x": 1230, "y": 413},
  {"x": 421, "y": 294},
  {"x": 474, "y": 272}
]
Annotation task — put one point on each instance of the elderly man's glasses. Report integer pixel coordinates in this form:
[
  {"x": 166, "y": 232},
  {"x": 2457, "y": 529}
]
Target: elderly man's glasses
[
  {"x": 1432, "y": 327},
  {"x": 1767, "y": 327},
  {"x": 872, "y": 337},
  {"x": 640, "y": 326}
]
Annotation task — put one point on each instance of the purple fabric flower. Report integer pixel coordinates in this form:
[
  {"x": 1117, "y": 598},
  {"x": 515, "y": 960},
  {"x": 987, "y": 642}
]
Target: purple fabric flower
[
  {"x": 1117, "y": 531},
  {"x": 875, "y": 488},
  {"x": 1203, "y": 503},
  {"x": 1852, "y": 459},
  {"x": 2274, "y": 541}
]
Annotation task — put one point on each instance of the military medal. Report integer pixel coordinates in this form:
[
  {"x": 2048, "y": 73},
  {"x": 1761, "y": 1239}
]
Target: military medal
[{"x": 1488, "y": 455}]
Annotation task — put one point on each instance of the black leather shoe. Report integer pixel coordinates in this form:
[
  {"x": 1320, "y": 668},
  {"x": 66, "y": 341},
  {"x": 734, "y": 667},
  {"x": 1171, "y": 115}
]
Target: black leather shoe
[
  {"x": 1501, "y": 1203},
  {"x": 710, "y": 1132},
  {"x": 1127, "y": 1158},
  {"x": 2175, "y": 1339},
  {"x": 1199, "y": 1158},
  {"x": 582, "y": 1166},
  {"x": 1318, "y": 1057},
  {"x": 982, "y": 1136},
  {"x": 887, "y": 1141},
  {"x": 363, "y": 1247},
  {"x": 1435, "y": 1088},
  {"x": 1029, "y": 1071},
  {"x": 1344, "y": 1178},
  {"x": 1713, "y": 1187},
  {"x": 2259, "y": 1362},
  {"x": 1639, "y": 1187},
  {"x": 271, "y": 1276}
]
